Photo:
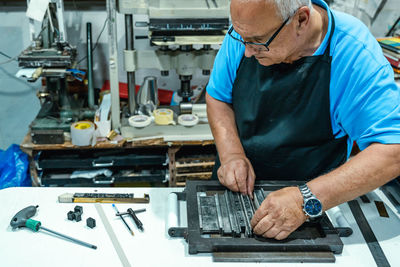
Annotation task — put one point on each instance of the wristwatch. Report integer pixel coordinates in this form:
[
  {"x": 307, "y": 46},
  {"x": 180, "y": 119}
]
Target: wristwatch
[{"x": 312, "y": 206}]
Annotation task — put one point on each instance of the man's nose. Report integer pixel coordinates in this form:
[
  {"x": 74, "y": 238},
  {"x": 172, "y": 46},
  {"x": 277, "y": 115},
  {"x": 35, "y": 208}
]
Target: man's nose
[{"x": 249, "y": 51}]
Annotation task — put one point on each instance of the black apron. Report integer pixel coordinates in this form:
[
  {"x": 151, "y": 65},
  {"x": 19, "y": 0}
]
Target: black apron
[{"x": 283, "y": 118}]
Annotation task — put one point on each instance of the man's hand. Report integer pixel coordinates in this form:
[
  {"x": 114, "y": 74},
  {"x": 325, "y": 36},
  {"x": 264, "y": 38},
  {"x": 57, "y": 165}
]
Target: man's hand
[
  {"x": 279, "y": 214},
  {"x": 237, "y": 174}
]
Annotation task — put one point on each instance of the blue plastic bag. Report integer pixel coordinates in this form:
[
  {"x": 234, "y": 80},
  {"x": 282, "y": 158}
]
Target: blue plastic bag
[{"x": 14, "y": 168}]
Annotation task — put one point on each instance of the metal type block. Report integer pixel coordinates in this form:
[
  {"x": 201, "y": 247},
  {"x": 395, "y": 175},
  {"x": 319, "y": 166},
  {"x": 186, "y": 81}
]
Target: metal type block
[
  {"x": 219, "y": 215},
  {"x": 90, "y": 222},
  {"x": 239, "y": 212},
  {"x": 209, "y": 216},
  {"x": 237, "y": 230},
  {"x": 78, "y": 216},
  {"x": 78, "y": 209},
  {"x": 71, "y": 215},
  {"x": 248, "y": 214},
  {"x": 258, "y": 197},
  {"x": 225, "y": 221}
]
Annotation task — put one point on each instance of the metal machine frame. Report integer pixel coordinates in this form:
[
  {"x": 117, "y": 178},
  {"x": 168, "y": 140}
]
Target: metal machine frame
[{"x": 179, "y": 23}]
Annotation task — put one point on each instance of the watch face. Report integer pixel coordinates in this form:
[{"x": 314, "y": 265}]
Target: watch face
[{"x": 313, "y": 207}]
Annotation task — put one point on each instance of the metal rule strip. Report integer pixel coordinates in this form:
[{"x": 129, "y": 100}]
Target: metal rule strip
[{"x": 368, "y": 234}]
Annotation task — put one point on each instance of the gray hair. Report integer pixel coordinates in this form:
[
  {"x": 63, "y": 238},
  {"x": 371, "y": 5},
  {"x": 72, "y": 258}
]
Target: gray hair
[{"x": 287, "y": 8}]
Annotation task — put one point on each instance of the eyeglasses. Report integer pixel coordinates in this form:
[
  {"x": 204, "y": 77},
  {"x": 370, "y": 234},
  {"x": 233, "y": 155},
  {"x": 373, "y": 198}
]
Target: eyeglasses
[{"x": 259, "y": 46}]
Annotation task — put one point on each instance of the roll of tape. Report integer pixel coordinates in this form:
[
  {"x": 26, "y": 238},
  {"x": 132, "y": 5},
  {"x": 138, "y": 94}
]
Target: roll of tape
[
  {"x": 82, "y": 133},
  {"x": 188, "y": 120},
  {"x": 164, "y": 116},
  {"x": 139, "y": 121}
]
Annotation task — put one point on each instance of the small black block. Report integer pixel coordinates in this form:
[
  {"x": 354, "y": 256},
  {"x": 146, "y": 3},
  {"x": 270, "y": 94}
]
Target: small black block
[
  {"x": 78, "y": 209},
  {"x": 71, "y": 215},
  {"x": 78, "y": 216},
  {"x": 90, "y": 222}
]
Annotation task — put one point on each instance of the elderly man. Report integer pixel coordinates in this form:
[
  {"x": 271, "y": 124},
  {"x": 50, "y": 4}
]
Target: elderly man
[{"x": 293, "y": 86}]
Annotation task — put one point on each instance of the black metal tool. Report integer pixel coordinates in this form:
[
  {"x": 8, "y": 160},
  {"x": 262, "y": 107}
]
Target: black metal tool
[
  {"x": 22, "y": 219},
  {"x": 132, "y": 213},
  {"x": 118, "y": 214},
  {"x": 138, "y": 223}
]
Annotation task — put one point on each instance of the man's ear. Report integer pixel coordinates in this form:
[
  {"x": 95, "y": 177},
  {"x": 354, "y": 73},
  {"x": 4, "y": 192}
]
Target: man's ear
[{"x": 302, "y": 19}]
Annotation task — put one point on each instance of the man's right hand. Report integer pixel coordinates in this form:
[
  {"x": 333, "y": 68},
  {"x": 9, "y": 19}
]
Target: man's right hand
[{"x": 237, "y": 174}]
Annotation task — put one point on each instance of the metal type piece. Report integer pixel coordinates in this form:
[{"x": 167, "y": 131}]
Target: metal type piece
[
  {"x": 71, "y": 215},
  {"x": 258, "y": 197},
  {"x": 209, "y": 216},
  {"x": 78, "y": 216},
  {"x": 235, "y": 215},
  {"x": 90, "y": 222},
  {"x": 368, "y": 234},
  {"x": 251, "y": 202},
  {"x": 78, "y": 209},
  {"x": 248, "y": 214},
  {"x": 219, "y": 212},
  {"x": 199, "y": 213},
  {"x": 232, "y": 217},
  {"x": 225, "y": 219},
  {"x": 263, "y": 193},
  {"x": 238, "y": 211}
]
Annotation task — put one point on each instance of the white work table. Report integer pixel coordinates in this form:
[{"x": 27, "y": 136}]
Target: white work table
[{"x": 153, "y": 247}]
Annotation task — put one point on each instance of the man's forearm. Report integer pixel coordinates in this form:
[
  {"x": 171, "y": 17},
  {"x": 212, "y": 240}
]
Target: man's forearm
[
  {"x": 371, "y": 168},
  {"x": 223, "y": 126}
]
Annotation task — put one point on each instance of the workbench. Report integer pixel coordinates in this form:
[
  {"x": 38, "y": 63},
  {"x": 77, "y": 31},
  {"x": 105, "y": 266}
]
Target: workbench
[
  {"x": 153, "y": 247},
  {"x": 178, "y": 147}
]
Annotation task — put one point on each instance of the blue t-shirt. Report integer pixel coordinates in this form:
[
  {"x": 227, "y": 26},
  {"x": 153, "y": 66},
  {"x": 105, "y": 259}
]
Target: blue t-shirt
[{"x": 364, "y": 98}]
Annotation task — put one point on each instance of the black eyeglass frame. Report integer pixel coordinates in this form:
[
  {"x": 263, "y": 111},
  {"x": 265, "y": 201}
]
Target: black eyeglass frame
[{"x": 266, "y": 44}]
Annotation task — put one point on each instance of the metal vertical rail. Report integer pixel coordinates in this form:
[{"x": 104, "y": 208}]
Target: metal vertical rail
[
  {"x": 113, "y": 63},
  {"x": 129, "y": 43},
  {"x": 90, "y": 65}
]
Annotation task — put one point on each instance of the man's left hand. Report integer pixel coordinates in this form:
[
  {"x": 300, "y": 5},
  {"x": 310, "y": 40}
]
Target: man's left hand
[{"x": 279, "y": 214}]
